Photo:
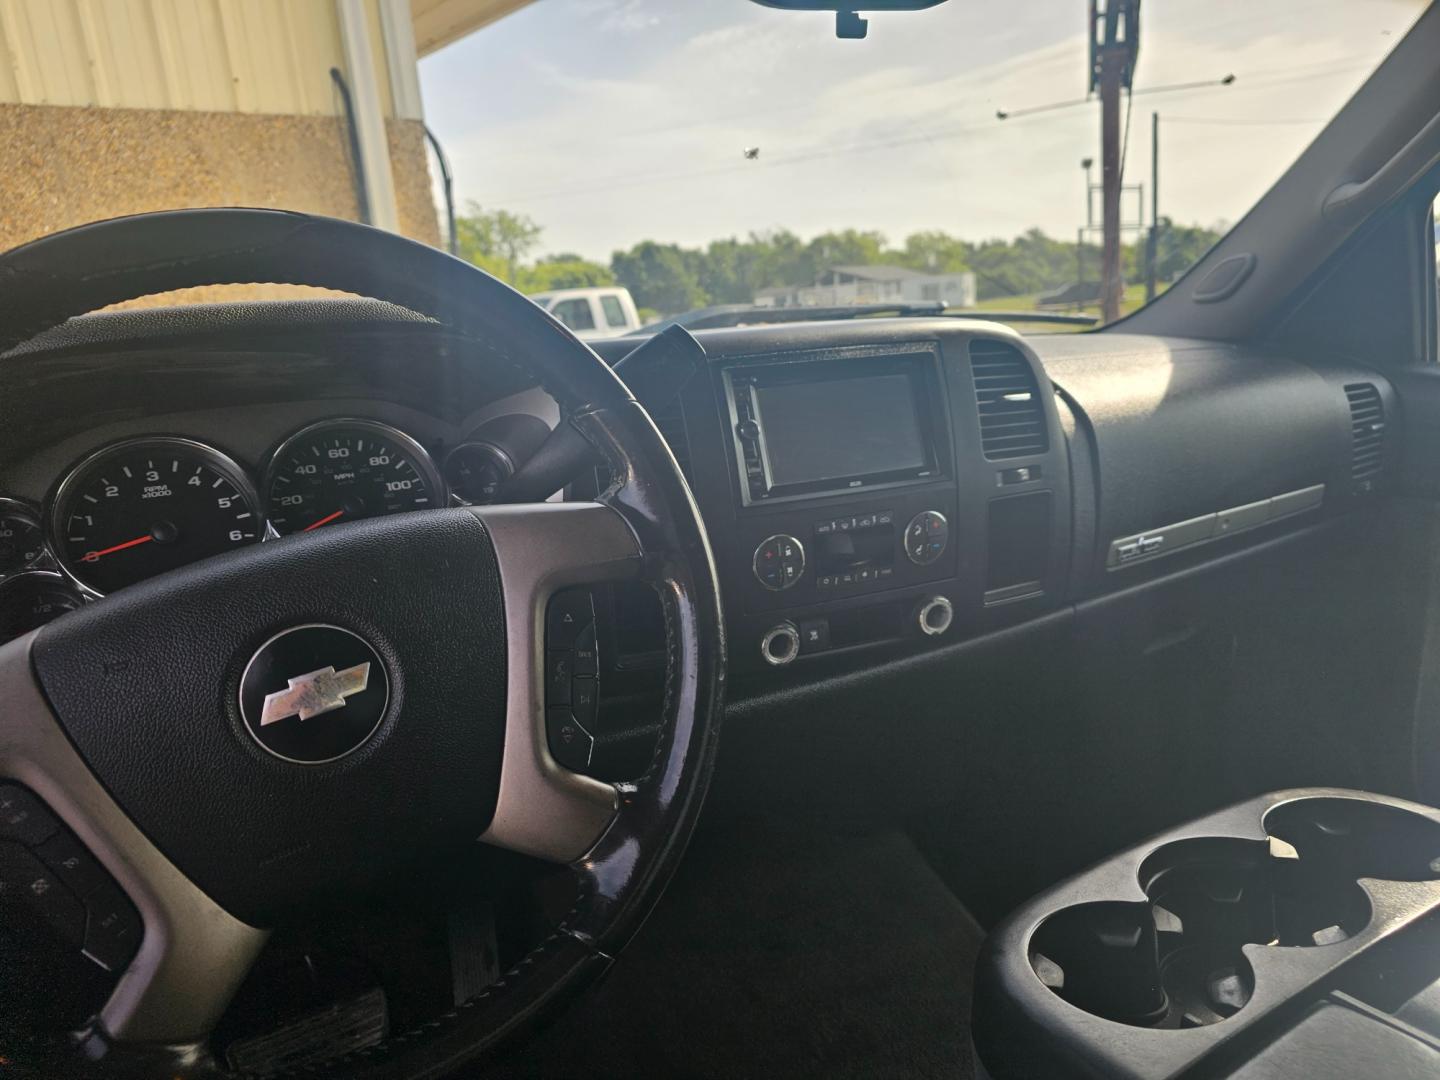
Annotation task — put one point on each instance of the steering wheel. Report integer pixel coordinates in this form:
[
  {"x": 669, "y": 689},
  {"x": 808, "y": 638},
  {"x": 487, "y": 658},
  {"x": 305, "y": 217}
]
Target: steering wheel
[{"x": 126, "y": 720}]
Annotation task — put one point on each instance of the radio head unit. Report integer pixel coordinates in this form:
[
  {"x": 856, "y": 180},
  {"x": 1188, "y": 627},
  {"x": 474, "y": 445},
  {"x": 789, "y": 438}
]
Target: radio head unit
[{"x": 836, "y": 422}]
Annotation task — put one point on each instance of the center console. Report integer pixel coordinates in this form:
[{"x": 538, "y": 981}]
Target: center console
[
  {"x": 879, "y": 492},
  {"x": 1297, "y": 934}
]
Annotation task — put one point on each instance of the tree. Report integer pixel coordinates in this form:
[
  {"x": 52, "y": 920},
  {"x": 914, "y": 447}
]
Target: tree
[
  {"x": 935, "y": 252},
  {"x": 496, "y": 240},
  {"x": 1181, "y": 246},
  {"x": 850, "y": 247},
  {"x": 563, "y": 272},
  {"x": 659, "y": 276}
]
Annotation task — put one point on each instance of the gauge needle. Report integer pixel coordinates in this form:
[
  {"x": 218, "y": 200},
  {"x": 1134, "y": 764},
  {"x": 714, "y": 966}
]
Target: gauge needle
[
  {"x": 316, "y": 524},
  {"x": 91, "y": 556}
]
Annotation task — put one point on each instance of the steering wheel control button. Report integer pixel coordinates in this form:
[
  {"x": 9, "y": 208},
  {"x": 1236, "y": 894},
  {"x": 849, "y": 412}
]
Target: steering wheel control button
[
  {"x": 23, "y": 817},
  {"x": 587, "y": 656},
  {"x": 780, "y": 645},
  {"x": 926, "y": 537},
  {"x": 569, "y": 614},
  {"x": 313, "y": 694},
  {"x": 25, "y": 880},
  {"x": 570, "y": 744},
  {"x": 559, "y": 671},
  {"x": 112, "y": 928},
  {"x": 585, "y": 701},
  {"x": 779, "y": 562},
  {"x": 72, "y": 864},
  {"x": 572, "y": 678}
]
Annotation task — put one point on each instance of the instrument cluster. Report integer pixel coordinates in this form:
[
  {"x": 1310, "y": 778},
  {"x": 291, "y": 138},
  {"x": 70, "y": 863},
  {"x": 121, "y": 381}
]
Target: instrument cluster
[{"x": 139, "y": 507}]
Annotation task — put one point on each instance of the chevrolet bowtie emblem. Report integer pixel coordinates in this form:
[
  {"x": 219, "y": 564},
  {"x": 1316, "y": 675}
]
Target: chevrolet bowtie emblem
[{"x": 315, "y": 693}]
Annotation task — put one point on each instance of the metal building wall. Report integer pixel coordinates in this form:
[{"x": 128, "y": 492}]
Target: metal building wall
[{"x": 232, "y": 56}]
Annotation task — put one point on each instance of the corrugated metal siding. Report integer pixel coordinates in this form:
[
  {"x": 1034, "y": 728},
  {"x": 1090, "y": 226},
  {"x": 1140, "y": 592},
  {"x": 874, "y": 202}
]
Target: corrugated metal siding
[{"x": 249, "y": 56}]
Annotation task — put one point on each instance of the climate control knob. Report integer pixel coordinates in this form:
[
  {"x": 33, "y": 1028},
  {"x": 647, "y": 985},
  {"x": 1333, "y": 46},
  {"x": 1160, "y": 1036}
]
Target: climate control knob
[
  {"x": 926, "y": 537},
  {"x": 779, "y": 562}
]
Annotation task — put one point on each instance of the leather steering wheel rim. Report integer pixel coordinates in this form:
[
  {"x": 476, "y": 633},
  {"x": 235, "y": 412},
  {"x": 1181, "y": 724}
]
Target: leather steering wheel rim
[{"x": 621, "y": 875}]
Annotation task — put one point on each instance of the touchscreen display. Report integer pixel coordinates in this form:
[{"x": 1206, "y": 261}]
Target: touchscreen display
[{"x": 838, "y": 428}]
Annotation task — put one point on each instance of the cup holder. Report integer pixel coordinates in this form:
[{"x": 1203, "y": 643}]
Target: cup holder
[
  {"x": 1178, "y": 961},
  {"x": 1353, "y": 838}
]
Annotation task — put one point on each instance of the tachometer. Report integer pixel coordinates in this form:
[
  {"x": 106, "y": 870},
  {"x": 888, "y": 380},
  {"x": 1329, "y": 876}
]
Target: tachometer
[
  {"x": 139, "y": 508},
  {"x": 345, "y": 470}
]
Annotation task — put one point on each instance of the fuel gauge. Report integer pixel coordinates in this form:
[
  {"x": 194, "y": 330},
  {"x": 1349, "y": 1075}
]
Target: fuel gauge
[
  {"x": 22, "y": 542},
  {"x": 31, "y": 600}
]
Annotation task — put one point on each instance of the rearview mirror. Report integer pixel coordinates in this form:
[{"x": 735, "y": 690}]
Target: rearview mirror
[{"x": 848, "y": 23}]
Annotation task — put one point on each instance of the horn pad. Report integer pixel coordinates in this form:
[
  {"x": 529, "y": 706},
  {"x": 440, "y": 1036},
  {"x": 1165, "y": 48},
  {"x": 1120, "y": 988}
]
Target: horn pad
[{"x": 300, "y": 716}]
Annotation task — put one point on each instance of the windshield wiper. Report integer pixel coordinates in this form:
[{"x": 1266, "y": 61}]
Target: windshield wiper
[{"x": 730, "y": 315}]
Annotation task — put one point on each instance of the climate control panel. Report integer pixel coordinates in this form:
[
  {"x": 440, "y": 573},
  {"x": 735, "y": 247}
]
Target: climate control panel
[
  {"x": 779, "y": 562},
  {"x": 926, "y": 537},
  {"x": 800, "y": 557}
]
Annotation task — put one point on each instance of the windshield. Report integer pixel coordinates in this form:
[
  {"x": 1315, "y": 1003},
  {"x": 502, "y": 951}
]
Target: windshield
[{"x": 637, "y": 160}]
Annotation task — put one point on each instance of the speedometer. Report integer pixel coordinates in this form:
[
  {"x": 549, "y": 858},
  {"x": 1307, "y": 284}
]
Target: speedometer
[
  {"x": 345, "y": 470},
  {"x": 142, "y": 507}
]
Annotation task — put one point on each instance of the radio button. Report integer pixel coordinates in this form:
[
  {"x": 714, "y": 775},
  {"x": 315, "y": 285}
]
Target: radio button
[
  {"x": 779, "y": 562},
  {"x": 926, "y": 537}
]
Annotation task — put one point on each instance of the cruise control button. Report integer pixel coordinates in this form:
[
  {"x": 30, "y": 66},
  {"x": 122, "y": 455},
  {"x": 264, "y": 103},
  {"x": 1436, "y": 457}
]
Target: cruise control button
[
  {"x": 112, "y": 928},
  {"x": 587, "y": 656},
  {"x": 570, "y": 744},
  {"x": 23, "y": 817},
  {"x": 24, "y": 880},
  {"x": 72, "y": 864}
]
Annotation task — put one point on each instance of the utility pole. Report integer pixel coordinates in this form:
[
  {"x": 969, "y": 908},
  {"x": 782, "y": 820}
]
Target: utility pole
[
  {"x": 1152, "y": 246},
  {"x": 1114, "y": 44}
]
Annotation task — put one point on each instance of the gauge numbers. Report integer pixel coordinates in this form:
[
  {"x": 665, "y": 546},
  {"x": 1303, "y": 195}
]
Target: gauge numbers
[
  {"x": 347, "y": 470},
  {"x": 140, "y": 508}
]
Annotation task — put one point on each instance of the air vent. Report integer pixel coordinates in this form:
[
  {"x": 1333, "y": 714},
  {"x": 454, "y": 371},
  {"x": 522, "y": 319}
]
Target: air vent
[
  {"x": 670, "y": 419},
  {"x": 1012, "y": 414},
  {"x": 1367, "y": 433}
]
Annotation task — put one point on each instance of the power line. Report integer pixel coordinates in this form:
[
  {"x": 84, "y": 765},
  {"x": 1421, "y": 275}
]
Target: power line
[
  {"x": 949, "y": 132},
  {"x": 1003, "y": 114},
  {"x": 1238, "y": 121}
]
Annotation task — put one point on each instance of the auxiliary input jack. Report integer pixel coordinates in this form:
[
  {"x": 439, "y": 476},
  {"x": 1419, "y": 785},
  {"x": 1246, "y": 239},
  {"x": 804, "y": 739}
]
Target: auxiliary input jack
[
  {"x": 934, "y": 616},
  {"x": 780, "y": 645}
]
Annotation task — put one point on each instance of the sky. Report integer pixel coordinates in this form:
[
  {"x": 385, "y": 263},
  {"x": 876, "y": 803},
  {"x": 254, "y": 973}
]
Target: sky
[{"x": 614, "y": 121}]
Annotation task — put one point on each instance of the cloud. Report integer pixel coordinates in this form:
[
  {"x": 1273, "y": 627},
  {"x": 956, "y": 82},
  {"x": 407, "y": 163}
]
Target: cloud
[
  {"x": 628, "y": 118},
  {"x": 619, "y": 16}
]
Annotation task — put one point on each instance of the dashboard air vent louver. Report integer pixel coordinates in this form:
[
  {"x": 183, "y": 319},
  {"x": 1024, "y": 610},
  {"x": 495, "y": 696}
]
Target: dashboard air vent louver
[
  {"x": 1012, "y": 414},
  {"x": 1367, "y": 433}
]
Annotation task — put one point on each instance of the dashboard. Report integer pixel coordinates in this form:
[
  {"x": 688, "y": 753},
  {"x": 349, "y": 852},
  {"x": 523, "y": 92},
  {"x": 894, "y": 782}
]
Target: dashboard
[
  {"x": 873, "y": 489},
  {"x": 164, "y": 474}
]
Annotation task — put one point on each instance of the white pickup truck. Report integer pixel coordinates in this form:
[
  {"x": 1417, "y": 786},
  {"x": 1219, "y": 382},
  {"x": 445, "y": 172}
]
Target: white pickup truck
[{"x": 592, "y": 313}]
